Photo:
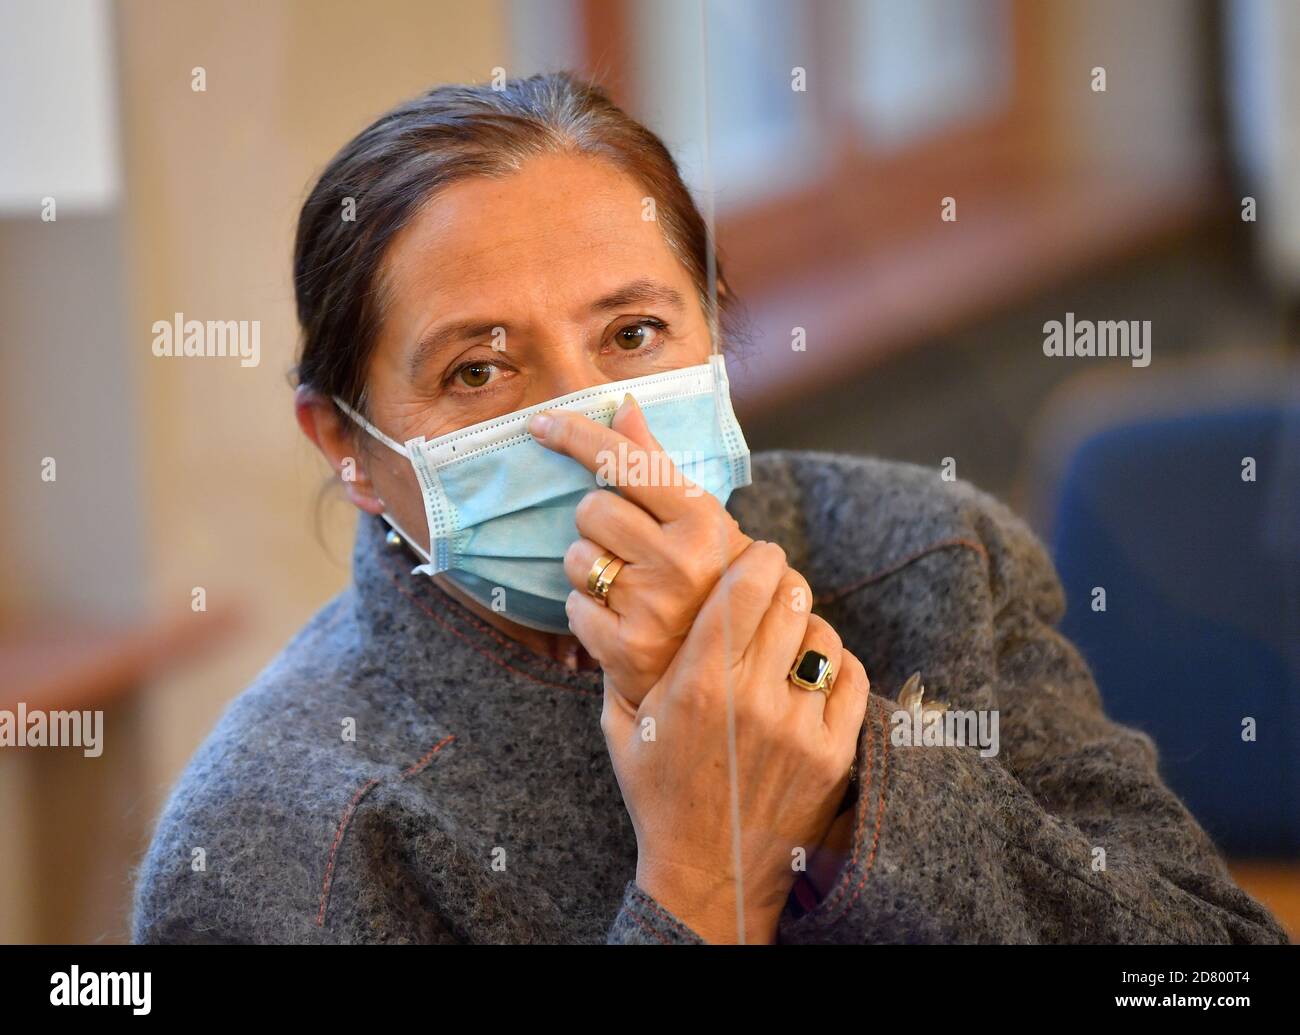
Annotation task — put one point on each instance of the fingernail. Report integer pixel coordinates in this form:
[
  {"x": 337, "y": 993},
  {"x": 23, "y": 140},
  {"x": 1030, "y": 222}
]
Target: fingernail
[
  {"x": 623, "y": 406},
  {"x": 539, "y": 424}
]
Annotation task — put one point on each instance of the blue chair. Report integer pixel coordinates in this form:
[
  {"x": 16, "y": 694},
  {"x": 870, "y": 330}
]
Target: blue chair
[{"x": 1201, "y": 627}]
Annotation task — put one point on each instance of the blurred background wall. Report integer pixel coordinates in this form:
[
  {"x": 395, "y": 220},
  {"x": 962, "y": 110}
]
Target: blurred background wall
[{"x": 923, "y": 333}]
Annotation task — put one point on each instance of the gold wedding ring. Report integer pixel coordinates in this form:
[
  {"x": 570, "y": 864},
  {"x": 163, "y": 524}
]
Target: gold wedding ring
[{"x": 602, "y": 576}]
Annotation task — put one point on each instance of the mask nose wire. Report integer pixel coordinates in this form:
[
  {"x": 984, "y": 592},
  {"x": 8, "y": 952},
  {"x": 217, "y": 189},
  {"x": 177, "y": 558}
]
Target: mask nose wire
[{"x": 707, "y": 201}]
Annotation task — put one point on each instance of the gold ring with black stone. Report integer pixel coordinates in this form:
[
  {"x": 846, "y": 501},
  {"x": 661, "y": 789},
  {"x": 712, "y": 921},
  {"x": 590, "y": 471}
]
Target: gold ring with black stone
[
  {"x": 813, "y": 670},
  {"x": 602, "y": 576}
]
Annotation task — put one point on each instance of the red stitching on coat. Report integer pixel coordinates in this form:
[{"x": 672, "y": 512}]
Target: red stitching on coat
[
  {"x": 880, "y": 813},
  {"x": 483, "y": 650},
  {"x": 668, "y": 917},
  {"x": 942, "y": 544},
  {"x": 346, "y": 818},
  {"x": 645, "y": 926},
  {"x": 338, "y": 838},
  {"x": 428, "y": 757},
  {"x": 864, "y": 786},
  {"x": 842, "y": 887}
]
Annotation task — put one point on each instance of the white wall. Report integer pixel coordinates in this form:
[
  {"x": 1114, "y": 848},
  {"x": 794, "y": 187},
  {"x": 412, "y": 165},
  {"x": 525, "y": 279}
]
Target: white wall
[{"x": 57, "y": 120}]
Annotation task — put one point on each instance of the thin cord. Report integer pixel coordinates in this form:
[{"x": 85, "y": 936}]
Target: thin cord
[{"x": 714, "y": 336}]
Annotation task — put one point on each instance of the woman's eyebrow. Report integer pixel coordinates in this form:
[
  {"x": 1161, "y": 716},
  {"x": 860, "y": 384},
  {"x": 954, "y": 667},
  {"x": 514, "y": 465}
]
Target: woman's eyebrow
[
  {"x": 641, "y": 290},
  {"x": 439, "y": 337}
]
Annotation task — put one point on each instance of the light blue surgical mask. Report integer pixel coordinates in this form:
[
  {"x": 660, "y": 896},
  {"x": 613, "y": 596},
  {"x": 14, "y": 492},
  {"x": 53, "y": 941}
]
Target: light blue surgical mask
[{"x": 500, "y": 505}]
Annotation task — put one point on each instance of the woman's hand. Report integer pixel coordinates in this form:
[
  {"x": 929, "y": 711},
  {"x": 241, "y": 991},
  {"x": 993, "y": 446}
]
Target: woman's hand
[
  {"x": 675, "y": 537},
  {"x": 793, "y": 747}
]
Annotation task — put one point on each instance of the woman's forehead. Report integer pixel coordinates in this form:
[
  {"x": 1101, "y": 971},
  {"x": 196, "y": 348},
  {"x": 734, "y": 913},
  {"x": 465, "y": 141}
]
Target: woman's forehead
[{"x": 549, "y": 233}]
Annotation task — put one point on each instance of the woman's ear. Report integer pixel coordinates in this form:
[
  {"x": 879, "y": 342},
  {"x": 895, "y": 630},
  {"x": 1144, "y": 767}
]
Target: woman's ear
[{"x": 323, "y": 423}]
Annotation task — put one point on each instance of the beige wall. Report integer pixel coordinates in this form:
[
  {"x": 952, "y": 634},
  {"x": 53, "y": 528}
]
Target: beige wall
[{"x": 214, "y": 181}]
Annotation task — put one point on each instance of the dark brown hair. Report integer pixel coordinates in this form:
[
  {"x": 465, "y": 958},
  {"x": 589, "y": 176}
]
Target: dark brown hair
[{"x": 405, "y": 157}]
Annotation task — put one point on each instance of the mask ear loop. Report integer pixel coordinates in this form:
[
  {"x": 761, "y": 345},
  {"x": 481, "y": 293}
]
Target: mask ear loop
[
  {"x": 715, "y": 357},
  {"x": 392, "y": 444},
  {"x": 400, "y": 450}
]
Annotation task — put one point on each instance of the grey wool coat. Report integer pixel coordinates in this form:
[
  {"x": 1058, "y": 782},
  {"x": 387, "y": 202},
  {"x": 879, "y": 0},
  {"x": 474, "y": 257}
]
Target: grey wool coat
[{"x": 477, "y": 802}]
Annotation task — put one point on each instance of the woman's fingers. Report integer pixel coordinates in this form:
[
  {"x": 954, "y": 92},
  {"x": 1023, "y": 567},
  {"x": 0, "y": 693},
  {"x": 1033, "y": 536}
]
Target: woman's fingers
[
  {"x": 731, "y": 614},
  {"x": 581, "y": 557},
  {"x": 846, "y": 708},
  {"x": 648, "y": 478},
  {"x": 596, "y": 627},
  {"x": 846, "y": 711},
  {"x": 629, "y": 661},
  {"x": 620, "y": 526},
  {"x": 617, "y": 720},
  {"x": 784, "y": 626},
  {"x": 630, "y": 420},
  {"x": 787, "y": 630},
  {"x": 821, "y": 637}
]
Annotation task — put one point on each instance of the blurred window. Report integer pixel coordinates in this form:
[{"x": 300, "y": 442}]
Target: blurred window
[
  {"x": 943, "y": 158},
  {"x": 927, "y": 64},
  {"x": 892, "y": 94},
  {"x": 760, "y": 130}
]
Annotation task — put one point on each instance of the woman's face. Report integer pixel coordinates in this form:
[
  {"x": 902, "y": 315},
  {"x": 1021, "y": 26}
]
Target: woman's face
[{"x": 503, "y": 293}]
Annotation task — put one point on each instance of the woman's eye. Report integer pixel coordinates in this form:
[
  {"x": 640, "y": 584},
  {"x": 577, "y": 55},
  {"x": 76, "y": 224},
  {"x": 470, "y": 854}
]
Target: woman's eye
[
  {"x": 475, "y": 375},
  {"x": 637, "y": 335}
]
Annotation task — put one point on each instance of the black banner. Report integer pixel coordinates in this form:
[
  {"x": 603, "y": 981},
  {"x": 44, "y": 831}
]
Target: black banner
[{"x": 143, "y": 984}]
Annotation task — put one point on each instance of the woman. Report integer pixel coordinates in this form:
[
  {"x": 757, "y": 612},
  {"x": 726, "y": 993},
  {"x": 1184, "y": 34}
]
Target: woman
[{"x": 611, "y": 707}]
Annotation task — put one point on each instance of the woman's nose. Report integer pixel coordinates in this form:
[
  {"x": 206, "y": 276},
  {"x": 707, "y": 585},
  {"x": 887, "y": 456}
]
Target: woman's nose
[{"x": 565, "y": 372}]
